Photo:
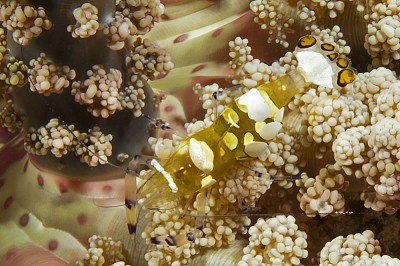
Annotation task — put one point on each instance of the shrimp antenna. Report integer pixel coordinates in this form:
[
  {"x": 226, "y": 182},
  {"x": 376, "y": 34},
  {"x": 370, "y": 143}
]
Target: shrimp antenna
[
  {"x": 87, "y": 148},
  {"x": 108, "y": 206},
  {"x": 215, "y": 95},
  {"x": 276, "y": 214},
  {"x": 157, "y": 122},
  {"x": 272, "y": 177}
]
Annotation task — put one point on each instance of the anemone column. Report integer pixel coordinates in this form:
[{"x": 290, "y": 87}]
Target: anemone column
[{"x": 79, "y": 54}]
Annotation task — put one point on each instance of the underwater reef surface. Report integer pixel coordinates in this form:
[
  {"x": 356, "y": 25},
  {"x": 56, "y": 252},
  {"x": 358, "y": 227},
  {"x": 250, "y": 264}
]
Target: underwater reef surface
[{"x": 112, "y": 113}]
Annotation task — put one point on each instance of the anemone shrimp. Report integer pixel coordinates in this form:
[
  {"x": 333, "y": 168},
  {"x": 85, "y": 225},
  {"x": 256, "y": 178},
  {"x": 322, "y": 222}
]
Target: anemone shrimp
[{"x": 241, "y": 132}]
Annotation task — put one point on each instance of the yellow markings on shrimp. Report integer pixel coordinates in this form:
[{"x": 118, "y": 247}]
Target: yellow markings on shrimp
[
  {"x": 222, "y": 151},
  {"x": 258, "y": 126},
  {"x": 248, "y": 138},
  {"x": 281, "y": 90},
  {"x": 207, "y": 181},
  {"x": 231, "y": 141},
  {"x": 231, "y": 117},
  {"x": 272, "y": 107}
]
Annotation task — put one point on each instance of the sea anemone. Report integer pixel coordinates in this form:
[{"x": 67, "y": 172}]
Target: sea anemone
[{"x": 91, "y": 91}]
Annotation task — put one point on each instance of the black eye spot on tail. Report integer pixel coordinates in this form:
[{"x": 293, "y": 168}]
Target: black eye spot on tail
[
  {"x": 345, "y": 76},
  {"x": 327, "y": 47},
  {"x": 342, "y": 62},
  {"x": 306, "y": 41},
  {"x": 332, "y": 56}
]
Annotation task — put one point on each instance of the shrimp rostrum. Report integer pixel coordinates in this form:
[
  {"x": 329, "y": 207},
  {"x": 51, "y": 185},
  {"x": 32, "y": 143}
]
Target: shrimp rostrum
[{"x": 242, "y": 131}]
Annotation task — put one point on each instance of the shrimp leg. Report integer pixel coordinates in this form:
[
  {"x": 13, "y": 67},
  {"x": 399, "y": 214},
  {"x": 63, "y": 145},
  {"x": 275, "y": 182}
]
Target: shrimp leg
[{"x": 131, "y": 201}]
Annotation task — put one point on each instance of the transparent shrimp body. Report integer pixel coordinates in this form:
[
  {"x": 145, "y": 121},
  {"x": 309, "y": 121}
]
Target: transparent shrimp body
[{"x": 242, "y": 131}]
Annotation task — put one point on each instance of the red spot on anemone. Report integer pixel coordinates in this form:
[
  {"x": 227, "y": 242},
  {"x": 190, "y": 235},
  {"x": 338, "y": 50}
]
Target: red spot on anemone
[
  {"x": 198, "y": 68},
  {"x": 63, "y": 187},
  {"x": 24, "y": 219},
  {"x": 82, "y": 219},
  {"x": 169, "y": 108},
  {"x": 107, "y": 188},
  {"x": 53, "y": 244},
  {"x": 181, "y": 38},
  {"x": 161, "y": 75},
  {"x": 7, "y": 202},
  {"x": 11, "y": 253},
  {"x": 164, "y": 17},
  {"x": 40, "y": 180},
  {"x": 217, "y": 33}
]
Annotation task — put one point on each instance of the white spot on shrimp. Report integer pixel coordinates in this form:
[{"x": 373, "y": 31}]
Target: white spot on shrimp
[
  {"x": 316, "y": 68},
  {"x": 270, "y": 130},
  {"x": 278, "y": 117},
  {"x": 201, "y": 155},
  {"x": 257, "y": 107},
  {"x": 256, "y": 149}
]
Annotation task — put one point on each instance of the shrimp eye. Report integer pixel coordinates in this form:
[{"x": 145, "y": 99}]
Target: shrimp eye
[
  {"x": 342, "y": 62},
  {"x": 345, "y": 76},
  {"x": 327, "y": 47},
  {"x": 306, "y": 41}
]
